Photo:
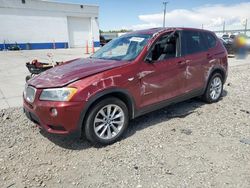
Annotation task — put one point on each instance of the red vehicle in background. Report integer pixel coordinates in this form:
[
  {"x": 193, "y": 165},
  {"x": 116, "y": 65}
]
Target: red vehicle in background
[{"x": 132, "y": 75}]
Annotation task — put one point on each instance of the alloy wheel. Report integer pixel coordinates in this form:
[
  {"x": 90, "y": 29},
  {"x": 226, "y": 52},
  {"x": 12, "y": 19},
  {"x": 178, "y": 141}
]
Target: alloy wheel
[
  {"x": 215, "y": 88},
  {"x": 109, "y": 121}
]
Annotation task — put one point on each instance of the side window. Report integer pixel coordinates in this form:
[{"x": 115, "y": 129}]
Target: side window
[
  {"x": 193, "y": 42},
  {"x": 165, "y": 48},
  {"x": 211, "y": 40}
]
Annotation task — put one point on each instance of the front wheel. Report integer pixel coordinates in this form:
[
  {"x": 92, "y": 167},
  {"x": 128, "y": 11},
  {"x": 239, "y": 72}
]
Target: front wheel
[
  {"x": 106, "y": 121},
  {"x": 27, "y": 78},
  {"x": 214, "y": 89}
]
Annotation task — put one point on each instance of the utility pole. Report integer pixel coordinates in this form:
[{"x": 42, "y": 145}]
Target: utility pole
[
  {"x": 224, "y": 25},
  {"x": 246, "y": 27},
  {"x": 165, "y": 7}
]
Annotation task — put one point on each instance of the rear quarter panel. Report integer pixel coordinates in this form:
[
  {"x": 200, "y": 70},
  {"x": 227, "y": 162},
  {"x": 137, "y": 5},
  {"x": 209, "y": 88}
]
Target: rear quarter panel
[{"x": 217, "y": 59}]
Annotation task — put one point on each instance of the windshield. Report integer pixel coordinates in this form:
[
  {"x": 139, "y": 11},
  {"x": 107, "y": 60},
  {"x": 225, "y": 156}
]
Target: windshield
[{"x": 126, "y": 47}]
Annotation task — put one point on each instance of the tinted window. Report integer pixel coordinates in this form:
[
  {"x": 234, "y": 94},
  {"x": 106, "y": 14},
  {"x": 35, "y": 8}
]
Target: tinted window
[
  {"x": 193, "y": 42},
  {"x": 211, "y": 40}
]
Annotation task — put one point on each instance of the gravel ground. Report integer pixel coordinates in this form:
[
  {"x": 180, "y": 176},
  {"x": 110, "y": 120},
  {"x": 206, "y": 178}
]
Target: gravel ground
[{"x": 190, "y": 144}]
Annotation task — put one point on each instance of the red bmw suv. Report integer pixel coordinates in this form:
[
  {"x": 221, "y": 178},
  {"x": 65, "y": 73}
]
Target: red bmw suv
[{"x": 132, "y": 75}]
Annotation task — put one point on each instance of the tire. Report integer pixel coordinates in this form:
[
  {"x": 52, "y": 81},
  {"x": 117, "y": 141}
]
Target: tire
[
  {"x": 208, "y": 96},
  {"x": 27, "y": 78},
  {"x": 100, "y": 129}
]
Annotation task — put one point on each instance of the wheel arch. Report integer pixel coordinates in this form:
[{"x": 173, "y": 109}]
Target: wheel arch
[
  {"x": 121, "y": 94},
  {"x": 215, "y": 70},
  {"x": 212, "y": 73},
  {"x": 220, "y": 71}
]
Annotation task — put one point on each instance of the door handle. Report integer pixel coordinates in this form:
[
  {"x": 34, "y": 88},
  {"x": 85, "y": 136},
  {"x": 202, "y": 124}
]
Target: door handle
[
  {"x": 182, "y": 62},
  {"x": 209, "y": 56}
]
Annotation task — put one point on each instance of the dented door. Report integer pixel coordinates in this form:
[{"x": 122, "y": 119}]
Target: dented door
[
  {"x": 194, "y": 71},
  {"x": 161, "y": 80}
]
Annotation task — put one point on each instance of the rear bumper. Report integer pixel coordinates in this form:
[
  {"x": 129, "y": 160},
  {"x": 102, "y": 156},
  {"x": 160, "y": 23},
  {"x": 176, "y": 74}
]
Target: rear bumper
[{"x": 65, "y": 123}]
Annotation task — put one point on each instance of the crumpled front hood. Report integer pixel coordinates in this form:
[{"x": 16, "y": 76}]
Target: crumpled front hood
[{"x": 67, "y": 73}]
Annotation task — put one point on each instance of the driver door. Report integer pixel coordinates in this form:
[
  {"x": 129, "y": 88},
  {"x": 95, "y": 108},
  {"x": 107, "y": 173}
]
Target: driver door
[{"x": 162, "y": 72}]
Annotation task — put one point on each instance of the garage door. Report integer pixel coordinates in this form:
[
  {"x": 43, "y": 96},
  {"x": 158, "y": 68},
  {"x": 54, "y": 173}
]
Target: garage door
[{"x": 79, "y": 31}]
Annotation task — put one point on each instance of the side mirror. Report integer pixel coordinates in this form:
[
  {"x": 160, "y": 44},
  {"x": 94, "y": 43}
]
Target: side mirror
[{"x": 149, "y": 59}]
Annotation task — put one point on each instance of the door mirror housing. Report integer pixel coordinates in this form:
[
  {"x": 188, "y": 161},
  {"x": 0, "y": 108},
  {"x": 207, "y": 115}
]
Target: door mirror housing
[{"x": 149, "y": 59}]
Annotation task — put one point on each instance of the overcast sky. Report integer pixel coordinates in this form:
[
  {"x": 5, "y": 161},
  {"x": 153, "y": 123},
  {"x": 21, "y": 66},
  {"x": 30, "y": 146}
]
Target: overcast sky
[{"x": 140, "y": 14}]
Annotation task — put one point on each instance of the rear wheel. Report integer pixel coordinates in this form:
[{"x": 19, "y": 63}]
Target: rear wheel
[
  {"x": 106, "y": 121},
  {"x": 214, "y": 89}
]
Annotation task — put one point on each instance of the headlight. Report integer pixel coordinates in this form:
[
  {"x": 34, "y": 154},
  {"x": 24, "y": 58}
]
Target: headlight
[
  {"x": 29, "y": 93},
  {"x": 25, "y": 88},
  {"x": 58, "y": 94}
]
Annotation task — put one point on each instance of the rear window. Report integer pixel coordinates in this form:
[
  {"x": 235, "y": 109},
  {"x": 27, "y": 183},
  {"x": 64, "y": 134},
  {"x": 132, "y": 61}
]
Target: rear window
[
  {"x": 211, "y": 40},
  {"x": 193, "y": 42}
]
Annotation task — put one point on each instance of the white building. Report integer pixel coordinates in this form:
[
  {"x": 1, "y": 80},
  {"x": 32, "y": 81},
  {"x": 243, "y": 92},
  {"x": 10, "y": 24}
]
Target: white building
[{"x": 39, "y": 24}]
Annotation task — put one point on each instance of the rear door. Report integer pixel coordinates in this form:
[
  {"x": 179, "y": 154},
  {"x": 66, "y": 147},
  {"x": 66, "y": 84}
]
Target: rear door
[{"x": 195, "y": 55}]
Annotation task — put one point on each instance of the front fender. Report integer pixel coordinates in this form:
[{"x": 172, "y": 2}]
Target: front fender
[{"x": 106, "y": 92}]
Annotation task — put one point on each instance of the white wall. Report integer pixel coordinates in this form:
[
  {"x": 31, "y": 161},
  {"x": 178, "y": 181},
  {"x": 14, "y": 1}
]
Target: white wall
[
  {"x": 68, "y": 9},
  {"x": 95, "y": 29},
  {"x": 33, "y": 28},
  {"x": 41, "y": 21}
]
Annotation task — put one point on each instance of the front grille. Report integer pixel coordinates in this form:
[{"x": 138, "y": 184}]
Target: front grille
[{"x": 30, "y": 93}]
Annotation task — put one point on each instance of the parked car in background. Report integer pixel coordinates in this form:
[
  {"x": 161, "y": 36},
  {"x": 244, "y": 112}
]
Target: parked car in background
[
  {"x": 130, "y": 76},
  {"x": 229, "y": 37},
  {"x": 225, "y": 36},
  {"x": 248, "y": 43},
  {"x": 229, "y": 45},
  {"x": 233, "y": 36},
  {"x": 104, "y": 39}
]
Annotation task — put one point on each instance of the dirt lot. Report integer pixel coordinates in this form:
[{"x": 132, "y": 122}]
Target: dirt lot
[{"x": 190, "y": 144}]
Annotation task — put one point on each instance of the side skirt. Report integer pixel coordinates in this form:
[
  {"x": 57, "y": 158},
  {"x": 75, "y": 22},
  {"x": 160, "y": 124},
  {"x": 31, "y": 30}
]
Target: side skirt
[{"x": 162, "y": 104}]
